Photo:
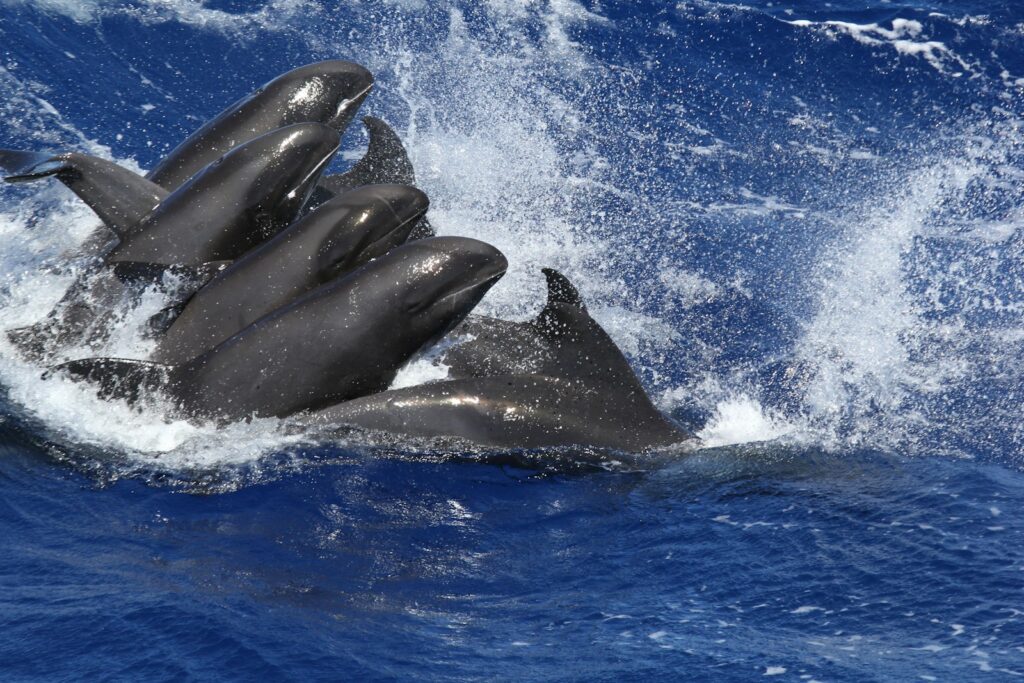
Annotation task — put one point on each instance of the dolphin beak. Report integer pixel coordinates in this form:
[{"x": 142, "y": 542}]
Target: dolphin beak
[
  {"x": 348, "y": 106},
  {"x": 478, "y": 284},
  {"x": 408, "y": 206}
]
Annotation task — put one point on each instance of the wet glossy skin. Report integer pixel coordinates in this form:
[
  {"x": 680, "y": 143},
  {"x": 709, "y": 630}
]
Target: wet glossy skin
[
  {"x": 557, "y": 380},
  {"x": 331, "y": 241},
  {"x": 325, "y": 92},
  {"x": 562, "y": 341},
  {"x": 346, "y": 338},
  {"x": 385, "y": 162},
  {"x": 242, "y": 199},
  {"x": 512, "y": 411}
]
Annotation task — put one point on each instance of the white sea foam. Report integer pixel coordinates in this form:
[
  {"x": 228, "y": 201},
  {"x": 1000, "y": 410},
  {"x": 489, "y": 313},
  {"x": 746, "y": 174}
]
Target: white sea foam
[
  {"x": 880, "y": 344},
  {"x": 903, "y": 37},
  {"x": 742, "y": 420},
  {"x": 272, "y": 15},
  {"x": 487, "y": 137}
]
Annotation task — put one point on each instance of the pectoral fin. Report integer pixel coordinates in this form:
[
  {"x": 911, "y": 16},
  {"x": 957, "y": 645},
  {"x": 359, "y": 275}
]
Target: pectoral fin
[
  {"x": 121, "y": 198},
  {"x": 144, "y": 273},
  {"x": 117, "y": 378}
]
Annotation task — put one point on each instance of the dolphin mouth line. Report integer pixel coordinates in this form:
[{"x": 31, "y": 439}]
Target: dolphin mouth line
[
  {"x": 347, "y": 102},
  {"x": 489, "y": 280},
  {"x": 315, "y": 170},
  {"x": 407, "y": 221}
]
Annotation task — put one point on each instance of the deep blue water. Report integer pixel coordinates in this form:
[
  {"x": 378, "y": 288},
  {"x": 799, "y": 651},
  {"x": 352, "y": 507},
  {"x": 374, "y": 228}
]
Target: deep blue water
[{"x": 803, "y": 223}]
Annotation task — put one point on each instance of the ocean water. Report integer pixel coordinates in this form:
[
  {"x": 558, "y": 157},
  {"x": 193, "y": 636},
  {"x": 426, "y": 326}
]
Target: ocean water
[{"x": 804, "y": 224}]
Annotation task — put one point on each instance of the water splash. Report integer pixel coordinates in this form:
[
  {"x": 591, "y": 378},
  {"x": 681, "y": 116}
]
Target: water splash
[{"x": 522, "y": 136}]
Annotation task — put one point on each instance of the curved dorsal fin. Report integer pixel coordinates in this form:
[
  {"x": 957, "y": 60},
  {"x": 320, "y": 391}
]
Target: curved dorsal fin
[
  {"x": 553, "y": 320},
  {"x": 121, "y": 198},
  {"x": 385, "y": 161},
  {"x": 560, "y": 290}
]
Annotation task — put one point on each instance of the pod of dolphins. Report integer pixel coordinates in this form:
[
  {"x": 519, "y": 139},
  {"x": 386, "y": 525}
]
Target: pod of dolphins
[{"x": 298, "y": 294}]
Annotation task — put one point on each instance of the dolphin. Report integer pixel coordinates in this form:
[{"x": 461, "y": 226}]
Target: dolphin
[
  {"x": 120, "y": 197},
  {"x": 510, "y": 411},
  {"x": 385, "y": 162},
  {"x": 557, "y": 380},
  {"x": 334, "y": 239},
  {"x": 345, "y": 339},
  {"x": 238, "y": 201},
  {"x": 267, "y": 179},
  {"x": 327, "y": 92},
  {"x": 563, "y": 340}
]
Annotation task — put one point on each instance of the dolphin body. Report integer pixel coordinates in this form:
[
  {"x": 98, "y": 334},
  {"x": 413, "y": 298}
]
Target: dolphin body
[
  {"x": 122, "y": 199},
  {"x": 343, "y": 340},
  {"x": 328, "y": 92},
  {"x": 557, "y": 380},
  {"x": 510, "y": 411},
  {"x": 333, "y": 240}
]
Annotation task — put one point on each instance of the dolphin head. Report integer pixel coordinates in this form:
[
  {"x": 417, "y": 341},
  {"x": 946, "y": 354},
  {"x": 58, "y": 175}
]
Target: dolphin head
[
  {"x": 329, "y": 92},
  {"x": 276, "y": 172},
  {"x": 345, "y": 338},
  {"x": 325, "y": 92},
  {"x": 367, "y": 222},
  {"x": 391, "y": 308},
  {"x": 440, "y": 281}
]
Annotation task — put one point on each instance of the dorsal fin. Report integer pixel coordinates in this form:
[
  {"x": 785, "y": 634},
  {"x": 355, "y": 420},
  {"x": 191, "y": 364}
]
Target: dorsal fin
[
  {"x": 385, "y": 161},
  {"x": 121, "y": 198},
  {"x": 553, "y": 321},
  {"x": 560, "y": 290},
  {"x": 117, "y": 378}
]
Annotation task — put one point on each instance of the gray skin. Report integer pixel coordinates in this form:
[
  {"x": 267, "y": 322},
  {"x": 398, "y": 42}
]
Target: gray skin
[
  {"x": 557, "y": 380},
  {"x": 343, "y": 340},
  {"x": 510, "y": 411},
  {"x": 562, "y": 341},
  {"x": 326, "y": 92},
  {"x": 235, "y": 203},
  {"x": 124, "y": 199},
  {"x": 333, "y": 240}
]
